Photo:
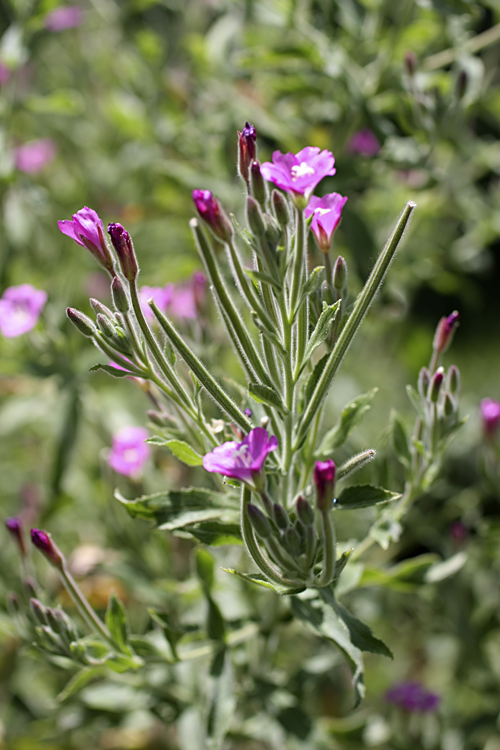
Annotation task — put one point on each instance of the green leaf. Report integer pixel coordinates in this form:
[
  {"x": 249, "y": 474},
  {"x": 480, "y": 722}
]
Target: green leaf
[
  {"x": 386, "y": 530},
  {"x": 259, "y": 580},
  {"x": 116, "y": 622},
  {"x": 184, "y": 452},
  {"x": 205, "y": 569},
  {"x": 363, "y": 496},
  {"x": 215, "y": 534},
  {"x": 222, "y": 696},
  {"x": 405, "y": 576},
  {"x": 216, "y": 628},
  {"x": 79, "y": 680},
  {"x": 446, "y": 568},
  {"x": 295, "y": 721},
  {"x": 351, "y": 416},
  {"x": 264, "y": 277},
  {"x": 115, "y": 372},
  {"x": 312, "y": 381},
  {"x": 171, "y": 629},
  {"x": 416, "y": 401},
  {"x": 321, "y": 331},
  {"x": 400, "y": 440},
  {"x": 265, "y": 395}
]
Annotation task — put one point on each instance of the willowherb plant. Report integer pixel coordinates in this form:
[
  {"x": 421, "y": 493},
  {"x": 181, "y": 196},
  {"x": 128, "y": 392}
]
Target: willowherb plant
[{"x": 290, "y": 327}]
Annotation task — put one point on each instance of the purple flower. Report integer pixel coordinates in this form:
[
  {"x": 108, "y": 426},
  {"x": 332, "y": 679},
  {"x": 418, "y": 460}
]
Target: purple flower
[
  {"x": 67, "y": 17},
  {"x": 15, "y": 527},
  {"x": 212, "y": 213},
  {"x": 32, "y": 157},
  {"x": 411, "y": 696},
  {"x": 4, "y": 73},
  {"x": 42, "y": 541},
  {"x": 161, "y": 295},
  {"x": 129, "y": 452},
  {"x": 187, "y": 299},
  {"x": 299, "y": 174},
  {"x": 490, "y": 415},
  {"x": 87, "y": 230},
  {"x": 364, "y": 142},
  {"x": 324, "y": 479},
  {"x": 326, "y": 213},
  {"x": 445, "y": 330},
  {"x": 20, "y": 308},
  {"x": 243, "y": 461}
]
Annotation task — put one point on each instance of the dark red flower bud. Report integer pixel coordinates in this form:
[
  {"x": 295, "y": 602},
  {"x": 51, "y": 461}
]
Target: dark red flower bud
[
  {"x": 444, "y": 331},
  {"x": 124, "y": 248},
  {"x": 247, "y": 150},
  {"x": 324, "y": 479},
  {"x": 212, "y": 213},
  {"x": 15, "y": 527},
  {"x": 47, "y": 547}
]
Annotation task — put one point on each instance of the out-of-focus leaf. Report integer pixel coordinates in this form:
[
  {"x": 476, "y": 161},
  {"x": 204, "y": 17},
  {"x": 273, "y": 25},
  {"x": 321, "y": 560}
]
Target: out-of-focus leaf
[
  {"x": 116, "y": 622},
  {"x": 222, "y": 699},
  {"x": 259, "y": 580},
  {"x": 363, "y": 496},
  {"x": 322, "y": 329},
  {"x": 78, "y": 682},
  {"x": 184, "y": 452},
  {"x": 176, "y": 509},
  {"x": 349, "y": 419}
]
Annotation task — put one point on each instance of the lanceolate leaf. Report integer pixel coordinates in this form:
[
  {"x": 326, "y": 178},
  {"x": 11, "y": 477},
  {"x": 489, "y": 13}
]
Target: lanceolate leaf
[
  {"x": 320, "y": 333},
  {"x": 363, "y": 496},
  {"x": 264, "y": 395},
  {"x": 116, "y": 622},
  {"x": 349, "y": 419},
  {"x": 259, "y": 580},
  {"x": 314, "y": 377},
  {"x": 184, "y": 452}
]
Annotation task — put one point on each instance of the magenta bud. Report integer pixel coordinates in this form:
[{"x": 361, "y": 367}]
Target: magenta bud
[
  {"x": 411, "y": 63},
  {"x": 247, "y": 413},
  {"x": 43, "y": 542},
  {"x": 324, "y": 479},
  {"x": 444, "y": 332},
  {"x": 15, "y": 528},
  {"x": 257, "y": 183},
  {"x": 490, "y": 415},
  {"x": 247, "y": 150},
  {"x": 81, "y": 321},
  {"x": 435, "y": 386},
  {"x": 212, "y": 213},
  {"x": 122, "y": 242},
  {"x": 120, "y": 299}
]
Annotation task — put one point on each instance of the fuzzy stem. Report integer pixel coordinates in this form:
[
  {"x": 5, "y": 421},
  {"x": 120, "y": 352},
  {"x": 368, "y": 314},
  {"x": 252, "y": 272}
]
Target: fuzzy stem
[{"x": 329, "y": 553}]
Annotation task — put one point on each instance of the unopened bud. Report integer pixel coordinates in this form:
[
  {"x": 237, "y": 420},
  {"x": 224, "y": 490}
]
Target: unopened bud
[
  {"x": 444, "y": 332},
  {"x": 120, "y": 298},
  {"x": 490, "y": 416},
  {"x": 449, "y": 406},
  {"x": 212, "y": 213},
  {"x": 461, "y": 84},
  {"x": 424, "y": 379},
  {"x": 81, "y": 321},
  {"x": 39, "y": 612},
  {"x": 280, "y": 208},
  {"x": 106, "y": 326},
  {"x": 259, "y": 521},
  {"x": 304, "y": 511},
  {"x": 13, "y": 603},
  {"x": 122, "y": 242},
  {"x": 280, "y": 516},
  {"x": 255, "y": 219},
  {"x": 258, "y": 184},
  {"x": 159, "y": 418},
  {"x": 340, "y": 277},
  {"x": 43, "y": 542},
  {"x": 453, "y": 380},
  {"x": 98, "y": 307},
  {"x": 411, "y": 63},
  {"x": 324, "y": 479},
  {"x": 15, "y": 528},
  {"x": 31, "y": 586},
  {"x": 291, "y": 541},
  {"x": 247, "y": 150},
  {"x": 435, "y": 386},
  {"x": 327, "y": 294}
]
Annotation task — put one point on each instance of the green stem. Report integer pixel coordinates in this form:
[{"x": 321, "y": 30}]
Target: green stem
[
  {"x": 477, "y": 43},
  {"x": 329, "y": 552},
  {"x": 298, "y": 265},
  {"x": 247, "y": 288},
  {"x": 350, "y": 329}
]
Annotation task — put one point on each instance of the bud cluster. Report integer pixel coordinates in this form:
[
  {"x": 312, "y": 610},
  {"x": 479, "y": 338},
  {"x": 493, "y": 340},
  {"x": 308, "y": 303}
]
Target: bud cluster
[{"x": 56, "y": 633}]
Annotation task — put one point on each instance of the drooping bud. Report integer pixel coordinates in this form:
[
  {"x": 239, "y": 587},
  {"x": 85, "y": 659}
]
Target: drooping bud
[
  {"x": 255, "y": 218},
  {"x": 212, "y": 213},
  {"x": 257, "y": 183},
  {"x": 280, "y": 516},
  {"x": 15, "y": 528},
  {"x": 120, "y": 298},
  {"x": 122, "y": 242},
  {"x": 453, "y": 380},
  {"x": 259, "y": 521},
  {"x": 84, "y": 324},
  {"x": 304, "y": 511},
  {"x": 340, "y": 277},
  {"x": 411, "y": 63},
  {"x": 444, "y": 332},
  {"x": 280, "y": 208},
  {"x": 324, "y": 479},
  {"x": 490, "y": 416},
  {"x": 424, "y": 379},
  {"x": 435, "y": 386},
  {"x": 43, "y": 542},
  {"x": 247, "y": 150}
]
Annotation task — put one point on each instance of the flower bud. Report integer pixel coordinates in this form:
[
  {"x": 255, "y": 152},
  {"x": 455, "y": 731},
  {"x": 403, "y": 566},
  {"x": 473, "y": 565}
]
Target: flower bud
[
  {"x": 259, "y": 521},
  {"x": 424, "y": 379},
  {"x": 444, "y": 332},
  {"x": 356, "y": 463},
  {"x": 43, "y": 542},
  {"x": 435, "y": 386},
  {"x": 98, "y": 307},
  {"x": 340, "y": 277},
  {"x": 13, "y": 604},
  {"x": 280, "y": 208},
  {"x": 453, "y": 380},
  {"x": 247, "y": 150},
  {"x": 490, "y": 415},
  {"x": 120, "y": 298},
  {"x": 411, "y": 63},
  {"x": 247, "y": 412},
  {"x": 327, "y": 294},
  {"x": 122, "y": 242},
  {"x": 257, "y": 184},
  {"x": 30, "y": 586},
  {"x": 39, "y": 612},
  {"x": 106, "y": 326},
  {"x": 280, "y": 516},
  {"x": 304, "y": 511},
  {"x": 255, "y": 219},
  {"x": 212, "y": 213},
  {"x": 264, "y": 421},
  {"x": 449, "y": 406},
  {"x": 15, "y": 528},
  {"x": 291, "y": 541},
  {"x": 81, "y": 321},
  {"x": 324, "y": 479}
]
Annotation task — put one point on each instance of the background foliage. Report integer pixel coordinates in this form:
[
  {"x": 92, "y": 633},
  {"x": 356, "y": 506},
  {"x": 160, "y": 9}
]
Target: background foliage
[{"x": 143, "y": 101}]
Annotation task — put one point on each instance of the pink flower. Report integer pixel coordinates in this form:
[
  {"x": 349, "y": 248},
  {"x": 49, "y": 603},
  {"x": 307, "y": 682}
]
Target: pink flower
[
  {"x": 66, "y": 17},
  {"x": 32, "y": 157},
  {"x": 160, "y": 294},
  {"x": 324, "y": 479},
  {"x": 129, "y": 452},
  {"x": 243, "y": 461},
  {"x": 187, "y": 299},
  {"x": 15, "y": 528},
  {"x": 299, "y": 174},
  {"x": 364, "y": 142},
  {"x": 20, "y": 308},
  {"x": 412, "y": 697},
  {"x": 87, "y": 230},
  {"x": 43, "y": 542},
  {"x": 211, "y": 212},
  {"x": 4, "y": 73},
  {"x": 490, "y": 414},
  {"x": 445, "y": 330},
  {"x": 326, "y": 213}
]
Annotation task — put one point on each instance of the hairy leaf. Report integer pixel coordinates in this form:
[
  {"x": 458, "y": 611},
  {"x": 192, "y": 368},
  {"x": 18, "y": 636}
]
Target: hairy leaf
[
  {"x": 349, "y": 419},
  {"x": 363, "y": 496}
]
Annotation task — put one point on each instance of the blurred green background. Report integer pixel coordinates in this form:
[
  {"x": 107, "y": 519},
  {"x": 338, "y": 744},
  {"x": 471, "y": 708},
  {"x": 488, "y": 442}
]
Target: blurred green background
[{"x": 142, "y": 101}]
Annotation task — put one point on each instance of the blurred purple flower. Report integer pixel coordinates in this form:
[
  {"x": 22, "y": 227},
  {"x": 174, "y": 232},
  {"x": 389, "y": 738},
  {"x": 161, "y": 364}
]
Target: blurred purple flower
[
  {"x": 20, "y": 308},
  {"x": 458, "y": 531},
  {"x": 4, "y": 73},
  {"x": 33, "y": 156},
  {"x": 15, "y": 527},
  {"x": 43, "y": 542},
  {"x": 66, "y": 17},
  {"x": 129, "y": 452},
  {"x": 364, "y": 142},
  {"x": 87, "y": 230},
  {"x": 160, "y": 294},
  {"x": 490, "y": 415},
  {"x": 413, "y": 697},
  {"x": 243, "y": 460},
  {"x": 187, "y": 299},
  {"x": 326, "y": 213},
  {"x": 299, "y": 173}
]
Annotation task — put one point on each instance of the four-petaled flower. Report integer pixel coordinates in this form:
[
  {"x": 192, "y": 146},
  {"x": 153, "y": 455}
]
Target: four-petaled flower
[
  {"x": 326, "y": 213},
  {"x": 20, "y": 308},
  {"x": 87, "y": 230},
  {"x": 67, "y": 17},
  {"x": 243, "y": 461},
  {"x": 32, "y": 157},
  {"x": 490, "y": 415},
  {"x": 299, "y": 173},
  {"x": 129, "y": 452},
  {"x": 412, "y": 696}
]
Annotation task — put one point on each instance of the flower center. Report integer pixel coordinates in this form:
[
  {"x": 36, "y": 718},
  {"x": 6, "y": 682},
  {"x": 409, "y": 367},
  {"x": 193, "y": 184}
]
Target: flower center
[
  {"x": 130, "y": 455},
  {"x": 301, "y": 170},
  {"x": 242, "y": 456},
  {"x": 322, "y": 211},
  {"x": 20, "y": 312}
]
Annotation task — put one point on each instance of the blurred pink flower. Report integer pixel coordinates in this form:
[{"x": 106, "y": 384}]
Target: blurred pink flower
[
  {"x": 20, "y": 308},
  {"x": 161, "y": 296},
  {"x": 490, "y": 415},
  {"x": 66, "y": 17},
  {"x": 129, "y": 452},
  {"x": 364, "y": 142},
  {"x": 4, "y": 73},
  {"x": 33, "y": 156},
  {"x": 180, "y": 300}
]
